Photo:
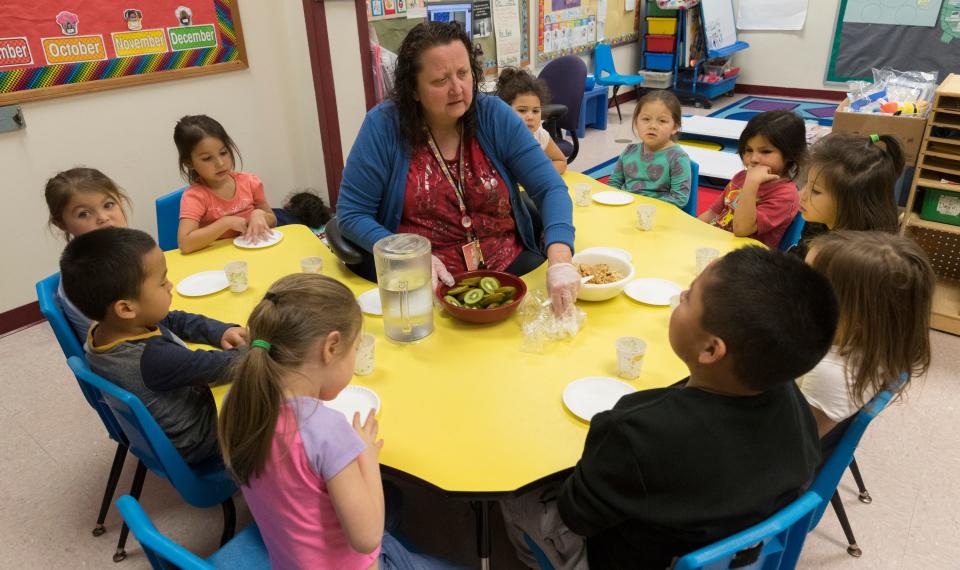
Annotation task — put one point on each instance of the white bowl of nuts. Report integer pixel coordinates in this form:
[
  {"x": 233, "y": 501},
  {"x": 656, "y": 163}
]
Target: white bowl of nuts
[{"x": 609, "y": 275}]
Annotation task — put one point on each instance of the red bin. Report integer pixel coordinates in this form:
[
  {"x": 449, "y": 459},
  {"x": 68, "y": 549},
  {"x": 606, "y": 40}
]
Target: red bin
[{"x": 661, "y": 44}]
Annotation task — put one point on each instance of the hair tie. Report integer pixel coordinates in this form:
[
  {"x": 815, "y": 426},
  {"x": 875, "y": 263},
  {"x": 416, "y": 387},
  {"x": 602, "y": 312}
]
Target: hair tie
[
  {"x": 272, "y": 297},
  {"x": 260, "y": 343},
  {"x": 875, "y": 138}
]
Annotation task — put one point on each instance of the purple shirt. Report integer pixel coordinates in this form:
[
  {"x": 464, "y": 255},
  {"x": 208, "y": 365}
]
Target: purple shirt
[{"x": 290, "y": 500}]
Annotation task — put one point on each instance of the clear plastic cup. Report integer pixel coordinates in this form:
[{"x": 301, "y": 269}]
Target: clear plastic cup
[
  {"x": 312, "y": 264},
  {"x": 236, "y": 275},
  {"x": 581, "y": 194},
  {"x": 705, "y": 255},
  {"x": 364, "y": 362},
  {"x": 646, "y": 213},
  {"x": 630, "y": 353}
]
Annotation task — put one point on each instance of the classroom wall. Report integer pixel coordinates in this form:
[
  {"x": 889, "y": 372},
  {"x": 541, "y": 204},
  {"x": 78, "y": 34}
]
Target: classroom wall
[
  {"x": 269, "y": 110},
  {"x": 791, "y": 59}
]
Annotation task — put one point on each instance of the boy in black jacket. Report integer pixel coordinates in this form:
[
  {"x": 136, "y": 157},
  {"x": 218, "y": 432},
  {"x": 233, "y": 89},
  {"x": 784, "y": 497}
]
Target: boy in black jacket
[{"x": 670, "y": 470}]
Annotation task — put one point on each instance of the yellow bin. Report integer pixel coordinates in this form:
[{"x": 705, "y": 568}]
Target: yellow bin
[{"x": 662, "y": 26}]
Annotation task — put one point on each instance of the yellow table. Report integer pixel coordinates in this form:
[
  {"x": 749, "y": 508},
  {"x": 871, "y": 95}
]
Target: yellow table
[{"x": 464, "y": 409}]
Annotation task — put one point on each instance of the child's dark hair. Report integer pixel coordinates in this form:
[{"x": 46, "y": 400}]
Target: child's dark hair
[
  {"x": 776, "y": 315},
  {"x": 192, "y": 129},
  {"x": 61, "y": 188},
  {"x": 784, "y": 130},
  {"x": 860, "y": 175},
  {"x": 102, "y": 267},
  {"x": 669, "y": 101},
  {"x": 514, "y": 82},
  {"x": 308, "y": 209},
  {"x": 884, "y": 283},
  {"x": 296, "y": 312}
]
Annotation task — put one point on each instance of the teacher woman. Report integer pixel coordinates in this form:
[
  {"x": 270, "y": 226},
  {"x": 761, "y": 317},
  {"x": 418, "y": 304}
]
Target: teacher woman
[{"x": 442, "y": 160}]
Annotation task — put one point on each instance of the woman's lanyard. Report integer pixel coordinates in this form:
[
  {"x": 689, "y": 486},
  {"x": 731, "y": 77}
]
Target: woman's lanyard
[{"x": 471, "y": 251}]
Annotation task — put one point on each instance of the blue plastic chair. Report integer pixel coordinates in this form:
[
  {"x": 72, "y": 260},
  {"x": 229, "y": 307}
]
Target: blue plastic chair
[
  {"x": 245, "y": 551},
  {"x": 792, "y": 235},
  {"x": 71, "y": 346},
  {"x": 168, "y": 219},
  {"x": 691, "y": 206},
  {"x": 200, "y": 486},
  {"x": 825, "y": 485},
  {"x": 771, "y": 544},
  {"x": 607, "y": 75}
]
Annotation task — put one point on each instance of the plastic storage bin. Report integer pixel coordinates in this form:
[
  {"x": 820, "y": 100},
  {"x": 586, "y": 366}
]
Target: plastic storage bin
[
  {"x": 661, "y": 26},
  {"x": 657, "y": 11},
  {"x": 941, "y": 206},
  {"x": 658, "y": 61},
  {"x": 657, "y": 79},
  {"x": 661, "y": 44}
]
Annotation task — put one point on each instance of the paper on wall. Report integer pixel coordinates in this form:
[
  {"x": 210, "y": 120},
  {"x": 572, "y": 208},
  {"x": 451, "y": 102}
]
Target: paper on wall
[
  {"x": 506, "y": 25},
  {"x": 601, "y": 18},
  {"x": 771, "y": 14},
  {"x": 628, "y": 5}
]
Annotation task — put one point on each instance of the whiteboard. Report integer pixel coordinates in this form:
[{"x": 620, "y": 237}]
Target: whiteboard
[{"x": 719, "y": 26}]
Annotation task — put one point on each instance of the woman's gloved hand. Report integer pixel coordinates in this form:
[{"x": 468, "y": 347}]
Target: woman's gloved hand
[
  {"x": 563, "y": 282},
  {"x": 438, "y": 272}
]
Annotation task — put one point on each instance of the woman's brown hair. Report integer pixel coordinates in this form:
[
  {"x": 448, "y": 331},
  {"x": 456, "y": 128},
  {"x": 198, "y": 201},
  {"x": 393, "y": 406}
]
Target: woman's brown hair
[
  {"x": 295, "y": 312},
  {"x": 860, "y": 175},
  {"x": 884, "y": 284},
  {"x": 62, "y": 187},
  {"x": 669, "y": 101},
  {"x": 422, "y": 37}
]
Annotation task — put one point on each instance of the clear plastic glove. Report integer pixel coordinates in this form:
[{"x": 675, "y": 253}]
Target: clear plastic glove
[
  {"x": 563, "y": 282},
  {"x": 438, "y": 272}
]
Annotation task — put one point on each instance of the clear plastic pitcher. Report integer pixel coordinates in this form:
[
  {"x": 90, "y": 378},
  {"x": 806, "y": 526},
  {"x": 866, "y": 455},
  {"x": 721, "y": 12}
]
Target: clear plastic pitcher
[{"x": 403, "y": 276}]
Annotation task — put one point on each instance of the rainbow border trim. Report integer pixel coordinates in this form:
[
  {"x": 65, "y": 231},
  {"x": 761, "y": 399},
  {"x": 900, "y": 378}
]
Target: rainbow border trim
[{"x": 52, "y": 75}]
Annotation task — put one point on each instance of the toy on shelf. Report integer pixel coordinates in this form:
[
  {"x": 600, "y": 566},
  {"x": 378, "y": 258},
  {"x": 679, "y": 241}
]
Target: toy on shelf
[{"x": 894, "y": 93}]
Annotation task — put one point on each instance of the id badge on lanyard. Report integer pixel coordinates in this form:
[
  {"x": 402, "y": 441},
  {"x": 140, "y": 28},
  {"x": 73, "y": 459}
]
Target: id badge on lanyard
[{"x": 472, "y": 254}]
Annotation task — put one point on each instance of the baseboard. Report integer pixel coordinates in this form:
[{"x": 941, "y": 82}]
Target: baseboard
[
  {"x": 20, "y": 317},
  {"x": 790, "y": 92}
]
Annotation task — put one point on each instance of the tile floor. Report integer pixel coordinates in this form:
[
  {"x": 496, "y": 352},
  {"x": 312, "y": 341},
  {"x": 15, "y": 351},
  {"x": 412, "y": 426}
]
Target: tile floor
[{"x": 54, "y": 458}]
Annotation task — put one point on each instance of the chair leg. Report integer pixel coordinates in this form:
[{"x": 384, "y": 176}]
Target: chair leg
[
  {"x": 112, "y": 480},
  {"x": 617, "y": 102},
  {"x": 135, "y": 489},
  {"x": 864, "y": 494},
  {"x": 229, "y": 520},
  {"x": 852, "y": 548}
]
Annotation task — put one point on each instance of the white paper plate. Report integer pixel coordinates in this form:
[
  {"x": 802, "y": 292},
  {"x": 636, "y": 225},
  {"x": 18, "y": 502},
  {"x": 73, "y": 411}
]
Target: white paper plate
[
  {"x": 355, "y": 399},
  {"x": 203, "y": 283},
  {"x": 369, "y": 302},
  {"x": 589, "y": 396},
  {"x": 275, "y": 237},
  {"x": 614, "y": 251},
  {"x": 612, "y": 198},
  {"x": 652, "y": 291}
]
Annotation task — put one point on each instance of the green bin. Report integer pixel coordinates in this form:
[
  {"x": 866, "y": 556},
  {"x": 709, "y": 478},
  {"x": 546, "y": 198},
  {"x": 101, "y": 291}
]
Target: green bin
[
  {"x": 655, "y": 11},
  {"x": 941, "y": 206}
]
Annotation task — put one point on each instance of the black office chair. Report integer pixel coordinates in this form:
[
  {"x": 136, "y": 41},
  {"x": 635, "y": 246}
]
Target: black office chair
[{"x": 566, "y": 77}]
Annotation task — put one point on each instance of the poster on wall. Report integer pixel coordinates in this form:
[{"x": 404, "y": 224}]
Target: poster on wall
[
  {"x": 482, "y": 24},
  {"x": 47, "y": 50},
  {"x": 771, "y": 14},
  {"x": 893, "y": 12},
  {"x": 506, "y": 16}
]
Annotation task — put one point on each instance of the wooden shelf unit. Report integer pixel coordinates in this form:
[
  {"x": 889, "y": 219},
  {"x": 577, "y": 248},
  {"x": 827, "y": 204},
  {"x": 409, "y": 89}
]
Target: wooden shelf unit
[{"x": 939, "y": 160}]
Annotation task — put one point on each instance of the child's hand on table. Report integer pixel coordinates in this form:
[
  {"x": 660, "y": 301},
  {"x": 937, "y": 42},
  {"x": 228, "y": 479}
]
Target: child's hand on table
[
  {"x": 368, "y": 433},
  {"x": 234, "y": 337},
  {"x": 235, "y": 223},
  {"x": 258, "y": 228}
]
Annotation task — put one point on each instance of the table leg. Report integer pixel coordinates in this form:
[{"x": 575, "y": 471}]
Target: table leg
[{"x": 482, "y": 511}]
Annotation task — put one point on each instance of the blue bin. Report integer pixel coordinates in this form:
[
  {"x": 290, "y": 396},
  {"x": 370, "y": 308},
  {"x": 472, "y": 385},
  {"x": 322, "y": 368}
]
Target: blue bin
[
  {"x": 658, "y": 61},
  {"x": 590, "y": 82}
]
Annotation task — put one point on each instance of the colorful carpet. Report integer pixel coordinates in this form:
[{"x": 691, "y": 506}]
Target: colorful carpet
[{"x": 746, "y": 108}]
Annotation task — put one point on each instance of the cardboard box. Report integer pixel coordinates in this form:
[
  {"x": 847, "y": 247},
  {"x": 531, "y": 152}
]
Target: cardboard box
[{"x": 908, "y": 130}]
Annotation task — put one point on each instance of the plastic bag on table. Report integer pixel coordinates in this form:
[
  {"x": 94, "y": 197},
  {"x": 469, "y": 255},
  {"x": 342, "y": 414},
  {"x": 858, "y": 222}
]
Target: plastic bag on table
[{"x": 541, "y": 326}]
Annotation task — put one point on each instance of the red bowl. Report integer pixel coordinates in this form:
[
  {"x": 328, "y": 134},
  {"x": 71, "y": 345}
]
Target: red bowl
[{"x": 484, "y": 316}]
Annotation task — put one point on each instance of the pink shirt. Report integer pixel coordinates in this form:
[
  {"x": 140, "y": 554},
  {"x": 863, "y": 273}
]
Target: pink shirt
[
  {"x": 777, "y": 204},
  {"x": 202, "y": 204},
  {"x": 290, "y": 501}
]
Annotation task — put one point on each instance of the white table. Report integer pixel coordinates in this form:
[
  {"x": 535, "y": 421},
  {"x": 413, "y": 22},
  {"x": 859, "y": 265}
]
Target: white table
[
  {"x": 712, "y": 127},
  {"x": 714, "y": 163}
]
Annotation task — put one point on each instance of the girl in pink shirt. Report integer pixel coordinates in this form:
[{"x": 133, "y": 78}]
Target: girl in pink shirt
[
  {"x": 310, "y": 478},
  {"x": 220, "y": 203}
]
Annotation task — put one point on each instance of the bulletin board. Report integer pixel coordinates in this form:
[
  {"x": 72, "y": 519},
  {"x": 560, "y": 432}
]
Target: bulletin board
[
  {"x": 575, "y": 26},
  {"x": 392, "y": 28},
  {"x": 54, "y": 48},
  {"x": 863, "y": 40}
]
